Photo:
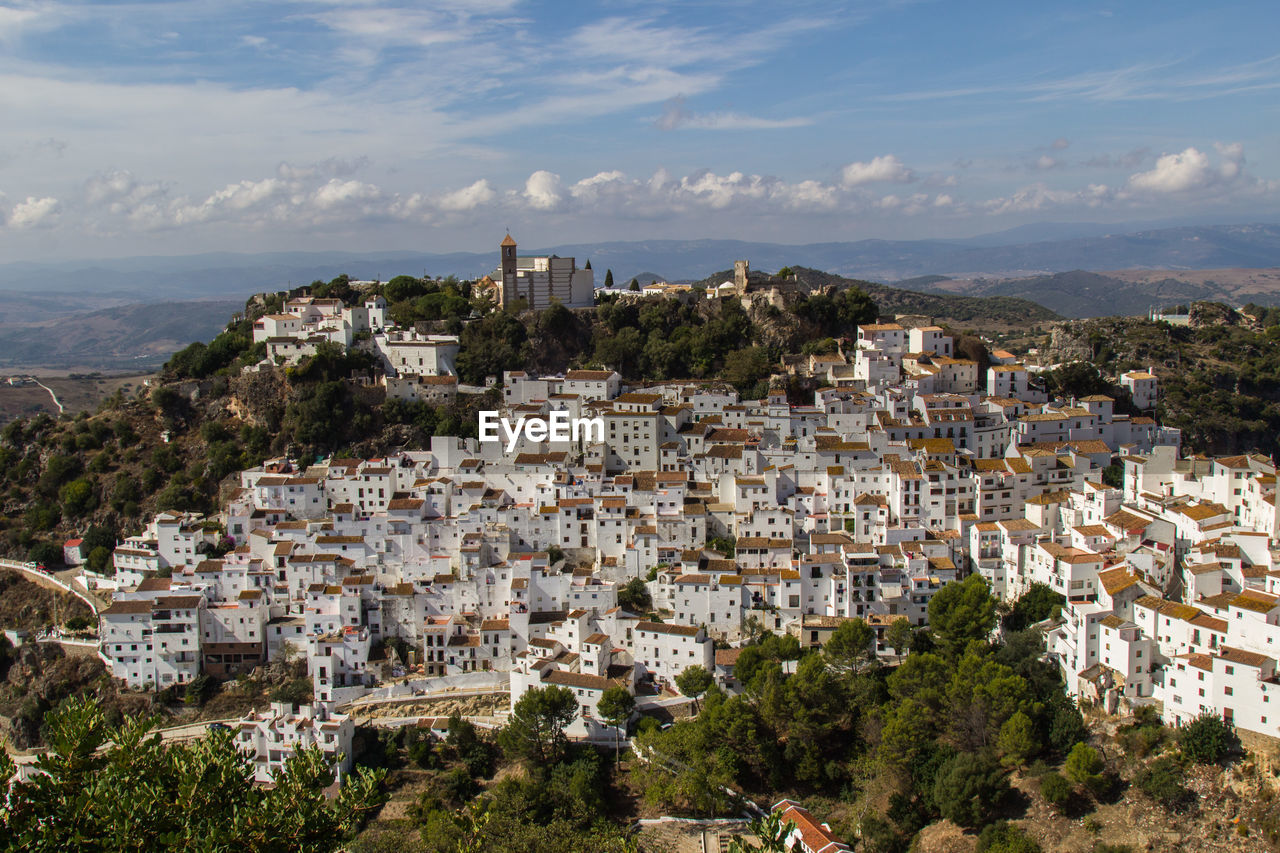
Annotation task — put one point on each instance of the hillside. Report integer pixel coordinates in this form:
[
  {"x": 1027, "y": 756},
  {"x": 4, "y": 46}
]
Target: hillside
[
  {"x": 131, "y": 337},
  {"x": 1018, "y": 253},
  {"x": 1078, "y": 293},
  {"x": 981, "y": 312},
  {"x": 1220, "y": 377}
]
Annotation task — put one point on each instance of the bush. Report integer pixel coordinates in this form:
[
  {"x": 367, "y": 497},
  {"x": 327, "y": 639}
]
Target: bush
[
  {"x": 1162, "y": 782},
  {"x": 1084, "y": 765},
  {"x": 1208, "y": 739},
  {"x": 1056, "y": 790},
  {"x": 45, "y": 553},
  {"x": 968, "y": 789},
  {"x": 1004, "y": 837}
]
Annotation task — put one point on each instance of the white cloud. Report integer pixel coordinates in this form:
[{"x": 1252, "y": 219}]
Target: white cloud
[
  {"x": 675, "y": 116},
  {"x": 1039, "y": 197},
  {"x": 468, "y": 198},
  {"x": 1059, "y": 143},
  {"x": 339, "y": 193},
  {"x": 887, "y": 168},
  {"x": 1175, "y": 173},
  {"x": 542, "y": 190},
  {"x": 1045, "y": 162},
  {"x": 34, "y": 213}
]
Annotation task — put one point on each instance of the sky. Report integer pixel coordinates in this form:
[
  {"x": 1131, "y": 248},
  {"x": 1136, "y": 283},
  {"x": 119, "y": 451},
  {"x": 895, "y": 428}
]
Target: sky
[{"x": 164, "y": 128}]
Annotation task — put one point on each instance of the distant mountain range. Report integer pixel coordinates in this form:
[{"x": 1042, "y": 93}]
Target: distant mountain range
[
  {"x": 139, "y": 337},
  {"x": 227, "y": 274},
  {"x": 132, "y": 297},
  {"x": 1125, "y": 292}
]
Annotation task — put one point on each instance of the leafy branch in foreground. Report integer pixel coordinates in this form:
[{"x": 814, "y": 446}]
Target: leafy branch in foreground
[{"x": 120, "y": 788}]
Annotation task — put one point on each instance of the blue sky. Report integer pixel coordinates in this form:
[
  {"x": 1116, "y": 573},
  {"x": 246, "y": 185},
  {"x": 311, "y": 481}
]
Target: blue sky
[{"x": 239, "y": 125}]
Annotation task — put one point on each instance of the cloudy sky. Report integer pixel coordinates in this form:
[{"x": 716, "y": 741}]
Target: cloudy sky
[{"x": 242, "y": 125}]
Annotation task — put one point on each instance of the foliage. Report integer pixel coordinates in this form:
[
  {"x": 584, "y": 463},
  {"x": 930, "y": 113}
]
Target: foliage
[
  {"x": 1056, "y": 790},
  {"x": 850, "y": 644},
  {"x": 1162, "y": 781},
  {"x": 1084, "y": 766},
  {"x": 120, "y": 788},
  {"x": 899, "y": 634},
  {"x": 969, "y": 789},
  {"x": 962, "y": 612},
  {"x": 693, "y": 681},
  {"x": 634, "y": 596},
  {"x": 1038, "y": 603},
  {"x": 616, "y": 706},
  {"x": 1077, "y": 379},
  {"x": 723, "y": 544},
  {"x": 45, "y": 553},
  {"x": 1017, "y": 740},
  {"x": 1005, "y": 837},
  {"x": 199, "y": 360},
  {"x": 770, "y": 830},
  {"x": 535, "y": 730},
  {"x": 727, "y": 746},
  {"x": 1208, "y": 739}
]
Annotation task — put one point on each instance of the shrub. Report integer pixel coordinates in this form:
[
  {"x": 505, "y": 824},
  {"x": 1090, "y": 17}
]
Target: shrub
[
  {"x": 1056, "y": 790},
  {"x": 1005, "y": 837},
  {"x": 1162, "y": 782},
  {"x": 968, "y": 789},
  {"x": 1208, "y": 739},
  {"x": 1083, "y": 765}
]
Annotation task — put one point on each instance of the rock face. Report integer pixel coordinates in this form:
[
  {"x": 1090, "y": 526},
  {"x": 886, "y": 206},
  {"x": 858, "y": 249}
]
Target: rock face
[{"x": 258, "y": 398}]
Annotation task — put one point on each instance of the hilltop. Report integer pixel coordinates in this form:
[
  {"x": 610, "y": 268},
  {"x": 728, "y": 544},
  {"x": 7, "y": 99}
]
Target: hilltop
[
  {"x": 996, "y": 312},
  {"x": 1079, "y": 293},
  {"x": 139, "y": 336},
  {"x": 1220, "y": 375}
]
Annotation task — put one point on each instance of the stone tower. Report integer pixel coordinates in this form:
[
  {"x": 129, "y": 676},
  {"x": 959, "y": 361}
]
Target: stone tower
[
  {"x": 741, "y": 269},
  {"x": 507, "y": 265},
  {"x": 508, "y": 248}
]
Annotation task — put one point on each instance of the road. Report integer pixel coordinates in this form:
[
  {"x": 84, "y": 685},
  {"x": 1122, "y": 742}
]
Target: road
[{"x": 56, "y": 402}]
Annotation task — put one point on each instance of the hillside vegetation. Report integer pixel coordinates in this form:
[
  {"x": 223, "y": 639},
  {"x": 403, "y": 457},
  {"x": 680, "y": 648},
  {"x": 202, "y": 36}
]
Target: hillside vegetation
[
  {"x": 1134, "y": 292},
  {"x": 1219, "y": 377},
  {"x": 971, "y": 311}
]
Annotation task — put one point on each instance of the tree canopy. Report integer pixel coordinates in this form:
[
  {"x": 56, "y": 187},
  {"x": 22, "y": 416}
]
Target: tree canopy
[{"x": 116, "y": 788}]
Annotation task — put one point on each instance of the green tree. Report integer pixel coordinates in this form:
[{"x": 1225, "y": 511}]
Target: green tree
[
  {"x": 77, "y": 497},
  {"x": 634, "y": 286},
  {"x": 770, "y": 830},
  {"x": 634, "y": 596},
  {"x": 1162, "y": 781},
  {"x": 1084, "y": 766},
  {"x": 615, "y": 707},
  {"x": 1056, "y": 790},
  {"x": 1077, "y": 379},
  {"x": 121, "y": 788},
  {"x": 1208, "y": 739},
  {"x": 1017, "y": 740},
  {"x": 535, "y": 730},
  {"x": 968, "y": 789},
  {"x": 850, "y": 644},
  {"x": 1038, "y": 603},
  {"x": 1005, "y": 837},
  {"x": 608, "y": 279},
  {"x": 744, "y": 368},
  {"x": 1066, "y": 726},
  {"x": 693, "y": 682},
  {"x": 962, "y": 612},
  {"x": 899, "y": 634}
]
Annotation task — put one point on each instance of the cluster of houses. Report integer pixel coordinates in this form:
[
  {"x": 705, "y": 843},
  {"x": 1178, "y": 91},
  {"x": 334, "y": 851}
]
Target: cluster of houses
[
  {"x": 413, "y": 365},
  {"x": 862, "y": 503}
]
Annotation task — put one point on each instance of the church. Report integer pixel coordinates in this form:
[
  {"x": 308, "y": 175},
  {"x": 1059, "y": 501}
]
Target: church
[{"x": 540, "y": 279}]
